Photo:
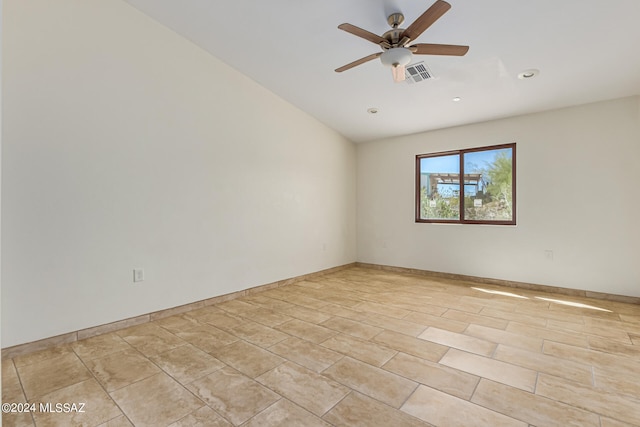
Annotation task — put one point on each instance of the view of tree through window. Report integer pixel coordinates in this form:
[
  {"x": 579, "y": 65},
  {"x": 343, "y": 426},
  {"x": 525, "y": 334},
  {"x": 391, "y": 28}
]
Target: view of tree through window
[{"x": 475, "y": 186}]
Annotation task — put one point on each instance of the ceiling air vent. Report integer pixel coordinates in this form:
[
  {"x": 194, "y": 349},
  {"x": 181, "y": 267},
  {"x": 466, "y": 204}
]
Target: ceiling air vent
[{"x": 417, "y": 73}]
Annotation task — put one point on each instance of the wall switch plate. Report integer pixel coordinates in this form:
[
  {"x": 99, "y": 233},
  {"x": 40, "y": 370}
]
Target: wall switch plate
[
  {"x": 138, "y": 275},
  {"x": 548, "y": 254}
]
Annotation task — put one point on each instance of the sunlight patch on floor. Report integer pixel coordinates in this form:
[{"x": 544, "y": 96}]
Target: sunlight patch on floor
[
  {"x": 573, "y": 304},
  {"x": 506, "y": 294}
]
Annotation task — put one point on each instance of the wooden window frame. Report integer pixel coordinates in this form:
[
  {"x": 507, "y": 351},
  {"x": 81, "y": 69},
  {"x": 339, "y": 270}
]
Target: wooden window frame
[{"x": 461, "y": 154}]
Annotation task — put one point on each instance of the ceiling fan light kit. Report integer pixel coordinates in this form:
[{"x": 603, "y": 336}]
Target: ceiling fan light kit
[
  {"x": 396, "y": 58},
  {"x": 396, "y": 51}
]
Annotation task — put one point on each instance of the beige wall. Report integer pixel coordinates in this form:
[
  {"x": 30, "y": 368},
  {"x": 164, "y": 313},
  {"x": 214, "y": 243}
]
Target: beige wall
[
  {"x": 126, "y": 146},
  {"x": 578, "y": 187}
]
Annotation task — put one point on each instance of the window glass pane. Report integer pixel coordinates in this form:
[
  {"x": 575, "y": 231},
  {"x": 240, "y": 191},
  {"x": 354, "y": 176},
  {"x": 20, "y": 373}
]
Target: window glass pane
[
  {"x": 488, "y": 192},
  {"x": 440, "y": 187}
]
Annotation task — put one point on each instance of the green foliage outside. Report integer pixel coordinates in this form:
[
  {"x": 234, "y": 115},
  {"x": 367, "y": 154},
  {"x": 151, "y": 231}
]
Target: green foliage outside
[
  {"x": 447, "y": 206},
  {"x": 497, "y": 203}
]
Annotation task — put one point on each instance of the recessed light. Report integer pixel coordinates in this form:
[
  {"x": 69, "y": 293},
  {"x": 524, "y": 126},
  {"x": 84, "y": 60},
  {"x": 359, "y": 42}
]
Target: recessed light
[
  {"x": 528, "y": 74},
  {"x": 457, "y": 99},
  {"x": 372, "y": 110}
]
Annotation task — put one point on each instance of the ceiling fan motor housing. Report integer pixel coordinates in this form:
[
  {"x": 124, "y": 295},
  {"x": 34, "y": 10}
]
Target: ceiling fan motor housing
[{"x": 394, "y": 34}]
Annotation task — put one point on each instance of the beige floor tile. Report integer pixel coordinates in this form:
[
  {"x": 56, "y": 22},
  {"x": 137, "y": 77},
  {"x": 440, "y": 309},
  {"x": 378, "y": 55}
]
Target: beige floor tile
[
  {"x": 99, "y": 346},
  {"x": 547, "y": 334},
  {"x": 511, "y": 316},
  {"x": 17, "y": 419},
  {"x": 352, "y": 327},
  {"x": 88, "y": 405},
  {"x": 208, "y": 338},
  {"x": 365, "y": 351},
  {"x": 335, "y": 310},
  {"x": 42, "y": 355},
  {"x": 392, "y": 324},
  {"x": 608, "y": 332},
  {"x": 310, "y": 284},
  {"x": 203, "y": 417},
  {"x": 411, "y": 301},
  {"x": 449, "y": 301},
  {"x": 358, "y": 410},
  {"x": 533, "y": 409},
  {"x": 441, "y": 409},
  {"x": 411, "y": 345},
  {"x": 178, "y": 323},
  {"x": 500, "y": 336},
  {"x": 247, "y": 358},
  {"x": 187, "y": 363},
  {"x": 120, "y": 421},
  {"x": 437, "y": 322},
  {"x": 222, "y": 320},
  {"x": 382, "y": 385},
  {"x": 303, "y": 301},
  {"x": 11, "y": 387},
  {"x": 564, "y": 368},
  {"x": 476, "y": 319},
  {"x": 283, "y": 413},
  {"x": 51, "y": 374},
  {"x": 532, "y": 308},
  {"x": 611, "y": 380},
  {"x": 631, "y": 318},
  {"x": 306, "y": 353},
  {"x": 150, "y": 338},
  {"x": 263, "y": 299},
  {"x": 624, "y": 364},
  {"x": 202, "y": 311},
  {"x": 306, "y": 314},
  {"x": 341, "y": 298},
  {"x": 307, "y": 331},
  {"x": 495, "y": 301},
  {"x": 435, "y": 375},
  {"x": 258, "y": 334},
  {"x": 459, "y": 341},
  {"x": 588, "y": 365},
  {"x": 12, "y": 393},
  {"x": 310, "y": 390},
  {"x": 268, "y": 317},
  {"x": 608, "y": 422},
  {"x": 121, "y": 369},
  {"x": 584, "y": 311},
  {"x": 589, "y": 398},
  {"x": 608, "y": 346},
  {"x": 492, "y": 369},
  {"x": 233, "y": 395},
  {"x": 155, "y": 401},
  {"x": 236, "y": 307},
  {"x": 384, "y": 309}
]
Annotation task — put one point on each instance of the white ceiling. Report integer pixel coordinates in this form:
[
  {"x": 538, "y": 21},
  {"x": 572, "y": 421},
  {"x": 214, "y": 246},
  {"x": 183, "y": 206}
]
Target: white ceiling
[{"x": 586, "y": 51}]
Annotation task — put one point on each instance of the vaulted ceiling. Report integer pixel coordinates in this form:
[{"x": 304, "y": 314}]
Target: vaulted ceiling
[{"x": 585, "y": 51}]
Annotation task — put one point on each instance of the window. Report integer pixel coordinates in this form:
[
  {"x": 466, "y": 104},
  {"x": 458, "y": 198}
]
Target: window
[{"x": 473, "y": 186}]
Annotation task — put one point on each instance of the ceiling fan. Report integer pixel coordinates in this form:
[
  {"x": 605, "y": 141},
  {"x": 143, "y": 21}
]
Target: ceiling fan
[{"x": 396, "y": 51}]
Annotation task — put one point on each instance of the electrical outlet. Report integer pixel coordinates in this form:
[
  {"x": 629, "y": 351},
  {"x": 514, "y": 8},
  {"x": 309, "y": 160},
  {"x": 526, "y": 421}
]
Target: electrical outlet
[
  {"x": 138, "y": 275},
  {"x": 548, "y": 254}
]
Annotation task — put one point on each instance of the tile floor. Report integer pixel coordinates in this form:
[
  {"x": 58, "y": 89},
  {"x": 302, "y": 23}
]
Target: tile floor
[{"x": 358, "y": 347}]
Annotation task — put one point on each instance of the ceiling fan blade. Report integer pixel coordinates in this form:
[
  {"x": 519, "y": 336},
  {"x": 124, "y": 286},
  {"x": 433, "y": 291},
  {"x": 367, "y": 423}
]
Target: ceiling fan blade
[
  {"x": 358, "y": 62},
  {"x": 439, "y": 49},
  {"x": 431, "y": 15},
  {"x": 357, "y": 31}
]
